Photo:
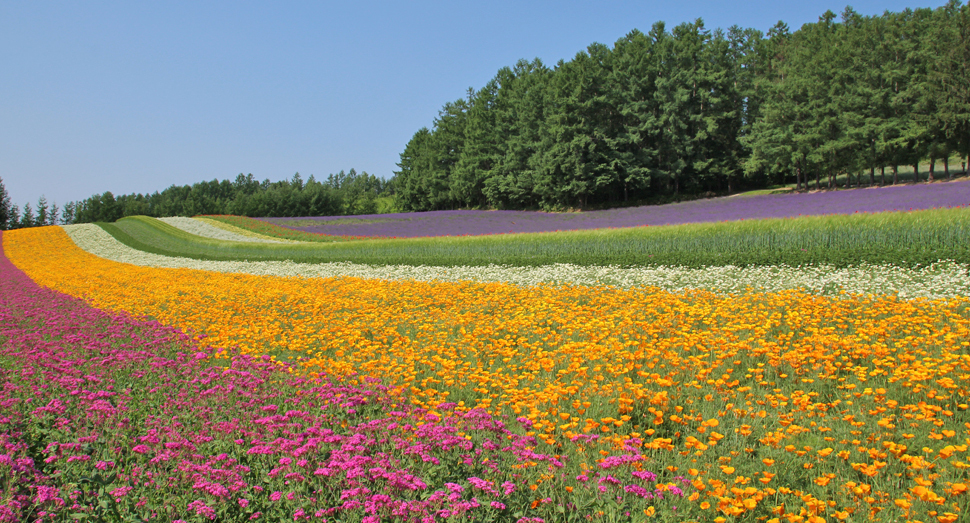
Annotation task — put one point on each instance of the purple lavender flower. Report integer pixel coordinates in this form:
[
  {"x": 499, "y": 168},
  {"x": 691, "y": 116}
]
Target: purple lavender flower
[{"x": 459, "y": 223}]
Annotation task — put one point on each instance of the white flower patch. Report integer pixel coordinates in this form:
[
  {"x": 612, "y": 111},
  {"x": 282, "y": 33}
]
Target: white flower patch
[
  {"x": 941, "y": 280},
  {"x": 207, "y": 230}
]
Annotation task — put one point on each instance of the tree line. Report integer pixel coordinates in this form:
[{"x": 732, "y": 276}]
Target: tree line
[
  {"x": 690, "y": 110},
  {"x": 338, "y": 194},
  {"x": 13, "y": 217}
]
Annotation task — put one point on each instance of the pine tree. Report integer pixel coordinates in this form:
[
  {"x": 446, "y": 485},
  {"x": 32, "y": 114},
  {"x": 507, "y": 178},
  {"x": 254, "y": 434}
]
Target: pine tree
[
  {"x": 416, "y": 163},
  {"x": 27, "y": 218},
  {"x": 521, "y": 117},
  {"x": 13, "y": 221},
  {"x": 42, "y": 208},
  {"x": 4, "y": 207},
  {"x": 483, "y": 147}
]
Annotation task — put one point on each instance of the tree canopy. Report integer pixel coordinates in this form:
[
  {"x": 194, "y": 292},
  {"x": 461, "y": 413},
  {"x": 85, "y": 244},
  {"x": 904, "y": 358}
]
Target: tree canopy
[{"x": 690, "y": 110}]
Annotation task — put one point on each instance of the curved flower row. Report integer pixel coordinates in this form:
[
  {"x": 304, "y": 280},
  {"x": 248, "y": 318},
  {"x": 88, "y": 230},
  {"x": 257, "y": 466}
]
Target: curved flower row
[
  {"x": 775, "y": 406},
  {"x": 108, "y": 418},
  {"x": 206, "y": 229},
  {"x": 941, "y": 280}
]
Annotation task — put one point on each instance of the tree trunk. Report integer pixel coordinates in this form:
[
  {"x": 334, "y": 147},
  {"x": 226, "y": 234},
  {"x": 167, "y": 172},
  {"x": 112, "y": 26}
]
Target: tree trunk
[
  {"x": 848, "y": 179},
  {"x": 872, "y": 176},
  {"x": 932, "y": 168},
  {"x": 895, "y": 174},
  {"x": 798, "y": 178},
  {"x": 818, "y": 180},
  {"x": 946, "y": 166},
  {"x": 882, "y": 170},
  {"x": 916, "y": 172}
]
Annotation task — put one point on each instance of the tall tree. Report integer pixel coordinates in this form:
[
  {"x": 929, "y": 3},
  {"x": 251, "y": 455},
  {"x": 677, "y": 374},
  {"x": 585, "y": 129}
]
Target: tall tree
[
  {"x": 27, "y": 219},
  {"x": 690, "y": 93},
  {"x": 521, "y": 116},
  {"x": 483, "y": 146},
  {"x": 13, "y": 221},
  {"x": 42, "y": 211},
  {"x": 574, "y": 163},
  {"x": 949, "y": 78},
  {"x": 4, "y": 207},
  {"x": 417, "y": 162}
]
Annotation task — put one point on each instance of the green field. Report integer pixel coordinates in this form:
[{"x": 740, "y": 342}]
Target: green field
[{"x": 904, "y": 239}]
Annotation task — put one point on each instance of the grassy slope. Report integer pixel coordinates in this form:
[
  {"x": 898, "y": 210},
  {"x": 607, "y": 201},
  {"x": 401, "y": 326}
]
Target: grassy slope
[
  {"x": 274, "y": 231},
  {"x": 237, "y": 230},
  {"x": 907, "y": 239}
]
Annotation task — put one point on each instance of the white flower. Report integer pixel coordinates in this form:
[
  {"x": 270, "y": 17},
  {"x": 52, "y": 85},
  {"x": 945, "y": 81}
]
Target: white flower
[
  {"x": 945, "y": 279},
  {"x": 207, "y": 230}
]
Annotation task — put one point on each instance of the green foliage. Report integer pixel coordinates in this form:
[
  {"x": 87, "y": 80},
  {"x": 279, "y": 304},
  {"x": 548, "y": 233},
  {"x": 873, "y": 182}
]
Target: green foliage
[
  {"x": 273, "y": 230},
  {"x": 906, "y": 239},
  {"x": 4, "y": 207},
  {"x": 341, "y": 193},
  {"x": 690, "y": 111}
]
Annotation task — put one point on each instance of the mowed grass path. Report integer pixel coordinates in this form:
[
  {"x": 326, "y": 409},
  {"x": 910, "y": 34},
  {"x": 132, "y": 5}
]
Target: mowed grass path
[{"x": 774, "y": 403}]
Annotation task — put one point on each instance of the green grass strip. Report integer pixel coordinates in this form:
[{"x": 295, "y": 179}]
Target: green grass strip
[
  {"x": 275, "y": 231},
  {"x": 904, "y": 239}
]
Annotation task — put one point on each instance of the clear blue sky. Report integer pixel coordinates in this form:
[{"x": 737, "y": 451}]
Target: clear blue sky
[{"x": 137, "y": 96}]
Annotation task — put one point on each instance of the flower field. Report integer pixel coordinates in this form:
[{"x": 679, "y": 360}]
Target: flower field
[
  {"x": 940, "y": 280},
  {"x": 108, "y": 418},
  {"x": 458, "y": 223},
  {"x": 906, "y": 239},
  {"x": 497, "y": 400}
]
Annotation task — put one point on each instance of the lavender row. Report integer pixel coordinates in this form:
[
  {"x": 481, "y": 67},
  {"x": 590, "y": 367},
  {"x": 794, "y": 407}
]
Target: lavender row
[
  {"x": 457, "y": 223},
  {"x": 106, "y": 417}
]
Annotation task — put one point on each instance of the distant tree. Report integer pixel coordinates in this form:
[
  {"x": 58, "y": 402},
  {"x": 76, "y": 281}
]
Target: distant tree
[
  {"x": 520, "y": 117},
  {"x": 416, "y": 163},
  {"x": 27, "y": 219},
  {"x": 4, "y": 207},
  {"x": 67, "y": 215},
  {"x": 949, "y": 78},
  {"x": 42, "y": 211},
  {"x": 54, "y": 216},
  {"x": 13, "y": 221},
  {"x": 110, "y": 210}
]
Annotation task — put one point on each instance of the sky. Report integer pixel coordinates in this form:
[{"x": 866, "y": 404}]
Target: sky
[{"x": 137, "y": 96}]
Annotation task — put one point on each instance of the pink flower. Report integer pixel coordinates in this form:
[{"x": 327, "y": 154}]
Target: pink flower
[{"x": 275, "y": 496}]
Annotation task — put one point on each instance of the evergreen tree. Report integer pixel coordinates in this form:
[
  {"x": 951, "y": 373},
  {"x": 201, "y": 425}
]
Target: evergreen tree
[
  {"x": 42, "y": 211},
  {"x": 416, "y": 162},
  {"x": 632, "y": 84},
  {"x": 949, "y": 78},
  {"x": 482, "y": 148},
  {"x": 687, "y": 90},
  {"x": 27, "y": 219},
  {"x": 4, "y": 207},
  {"x": 520, "y": 116},
  {"x": 14, "y": 221}
]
